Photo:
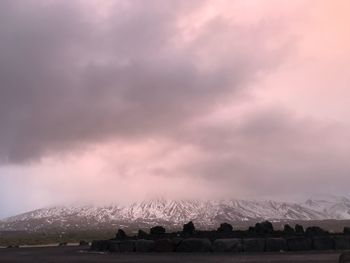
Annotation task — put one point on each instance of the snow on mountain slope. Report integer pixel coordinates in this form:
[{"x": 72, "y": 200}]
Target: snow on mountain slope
[
  {"x": 332, "y": 206},
  {"x": 176, "y": 212}
]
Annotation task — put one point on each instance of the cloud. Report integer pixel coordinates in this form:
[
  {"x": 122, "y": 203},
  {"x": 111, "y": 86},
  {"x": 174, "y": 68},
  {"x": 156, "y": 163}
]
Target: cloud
[
  {"x": 126, "y": 99},
  {"x": 69, "y": 79}
]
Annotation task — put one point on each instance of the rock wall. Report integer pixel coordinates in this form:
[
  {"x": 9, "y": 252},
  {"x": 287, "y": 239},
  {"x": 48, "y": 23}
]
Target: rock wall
[{"x": 232, "y": 245}]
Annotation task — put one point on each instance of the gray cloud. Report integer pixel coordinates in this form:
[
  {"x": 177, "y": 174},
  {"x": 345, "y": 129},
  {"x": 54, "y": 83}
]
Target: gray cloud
[
  {"x": 67, "y": 79},
  {"x": 271, "y": 152}
]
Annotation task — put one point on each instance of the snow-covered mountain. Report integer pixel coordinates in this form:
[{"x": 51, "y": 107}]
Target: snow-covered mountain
[
  {"x": 334, "y": 207},
  {"x": 173, "y": 213}
]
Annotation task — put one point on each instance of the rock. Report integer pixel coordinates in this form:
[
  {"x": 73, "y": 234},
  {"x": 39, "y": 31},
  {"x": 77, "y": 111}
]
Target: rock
[
  {"x": 346, "y": 230},
  {"x": 176, "y": 241},
  {"x": 120, "y": 235},
  {"x": 188, "y": 228},
  {"x": 344, "y": 258},
  {"x": 127, "y": 246},
  {"x": 276, "y": 244},
  {"x": 143, "y": 245},
  {"x": 100, "y": 245},
  {"x": 194, "y": 245},
  {"x": 227, "y": 245},
  {"x": 299, "y": 244},
  {"x": 114, "y": 246},
  {"x": 253, "y": 244},
  {"x": 225, "y": 227},
  {"x": 164, "y": 245},
  {"x": 157, "y": 230},
  {"x": 341, "y": 242},
  {"x": 83, "y": 243},
  {"x": 322, "y": 243},
  {"x": 299, "y": 229}
]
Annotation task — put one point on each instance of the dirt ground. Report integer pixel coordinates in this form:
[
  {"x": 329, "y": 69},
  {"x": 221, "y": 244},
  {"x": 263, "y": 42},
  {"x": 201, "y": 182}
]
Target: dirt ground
[{"x": 79, "y": 254}]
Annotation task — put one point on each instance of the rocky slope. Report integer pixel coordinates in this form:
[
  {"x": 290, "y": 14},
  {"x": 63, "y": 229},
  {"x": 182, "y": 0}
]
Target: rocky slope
[{"x": 172, "y": 213}]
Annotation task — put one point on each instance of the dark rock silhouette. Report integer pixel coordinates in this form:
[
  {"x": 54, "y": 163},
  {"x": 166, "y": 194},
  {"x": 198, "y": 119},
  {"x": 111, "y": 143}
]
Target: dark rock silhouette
[
  {"x": 227, "y": 245},
  {"x": 299, "y": 244},
  {"x": 100, "y": 245},
  {"x": 225, "y": 228},
  {"x": 127, "y": 246},
  {"x": 164, "y": 245},
  {"x": 120, "y": 235},
  {"x": 259, "y": 238},
  {"x": 276, "y": 244},
  {"x": 253, "y": 244},
  {"x": 322, "y": 243},
  {"x": 143, "y": 245},
  {"x": 194, "y": 245},
  {"x": 341, "y": 242},
  {"x": 188, "y": 228},
  {"x": 113, "y": 246},
  {"x": 157, "y": 230}
]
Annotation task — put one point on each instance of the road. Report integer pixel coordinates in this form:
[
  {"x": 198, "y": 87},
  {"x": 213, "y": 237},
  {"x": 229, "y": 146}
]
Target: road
[{"x": 79, "y": 254}]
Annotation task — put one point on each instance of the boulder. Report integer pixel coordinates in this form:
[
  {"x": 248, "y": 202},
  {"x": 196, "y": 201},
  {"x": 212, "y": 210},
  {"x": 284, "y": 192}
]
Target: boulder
[
  {"x": 164, "y": 245},
  {"x": 346, "y": 230},
  {"x": 194, "y": 245},
  {"x": 176, "y": 241},
  {"x": 341, "y": 242},
  {"x": 322, "y": 243},
  {"x": 227, "y": 245},
  {"x": 143, "y": 245},
  {"x": 157, "y": 230},
  {"x": 114, "y": 246},
  {"x": 100, "y": 245},
  {"x": 253, "y": 244},
  {"x": 225, "y": 227},
  {"x": 299, "y": 244},
  {"x": 276, "y": 244},
  {"x": 344, "y": 258},
  {"x": 127, "y": 246}
]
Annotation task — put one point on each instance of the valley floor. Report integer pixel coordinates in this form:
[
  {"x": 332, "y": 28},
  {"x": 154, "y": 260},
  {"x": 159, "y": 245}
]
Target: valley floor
[{"x": 79, "y": 254}]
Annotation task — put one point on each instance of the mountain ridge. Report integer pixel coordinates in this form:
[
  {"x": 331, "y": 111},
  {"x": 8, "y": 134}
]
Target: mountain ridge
[{"x": 174, "y": 213}]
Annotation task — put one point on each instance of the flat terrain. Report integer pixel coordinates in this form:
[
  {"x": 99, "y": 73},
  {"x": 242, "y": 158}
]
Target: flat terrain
[{"x": 81, "y": 254}]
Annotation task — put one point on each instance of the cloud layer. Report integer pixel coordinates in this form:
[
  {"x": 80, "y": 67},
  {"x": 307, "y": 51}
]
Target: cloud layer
[{"x": 128, "y": 98}]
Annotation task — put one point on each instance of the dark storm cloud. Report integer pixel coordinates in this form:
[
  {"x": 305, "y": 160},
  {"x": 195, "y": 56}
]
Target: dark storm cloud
[{"x": 69, "y": 78}]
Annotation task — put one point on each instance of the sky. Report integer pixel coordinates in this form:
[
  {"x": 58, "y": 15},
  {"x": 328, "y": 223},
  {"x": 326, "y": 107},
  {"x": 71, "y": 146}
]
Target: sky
[{"x": 105, "y": 101}]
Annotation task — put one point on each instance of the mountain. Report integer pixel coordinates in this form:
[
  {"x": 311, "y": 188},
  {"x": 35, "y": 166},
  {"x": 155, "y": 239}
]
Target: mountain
[
  {"x": 334, "y": 207},
  {"x": 174, "y": 213}
]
